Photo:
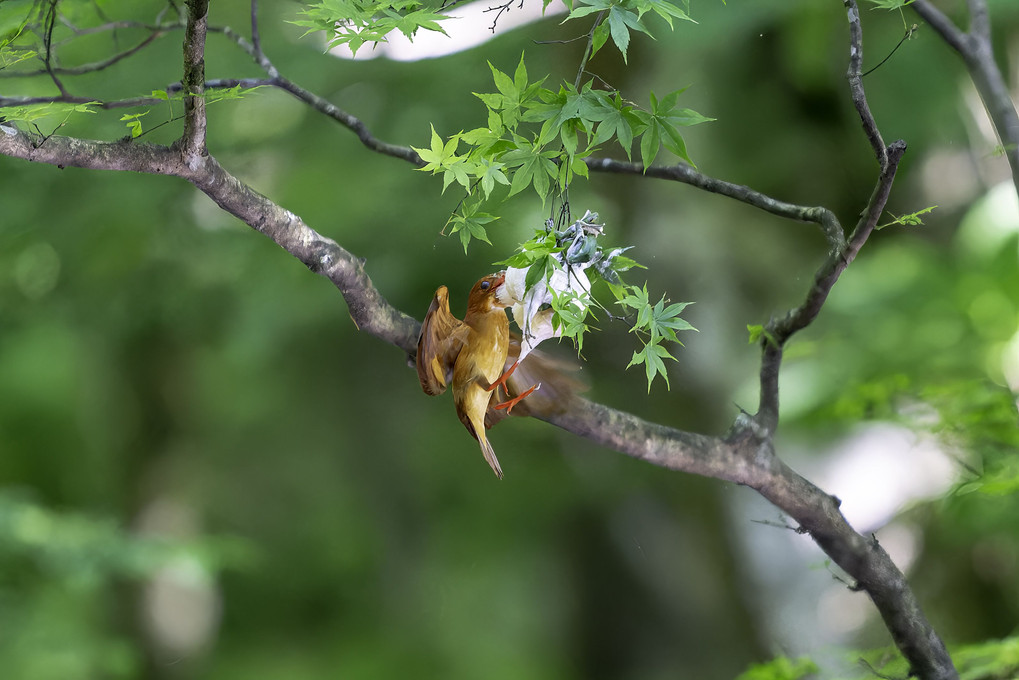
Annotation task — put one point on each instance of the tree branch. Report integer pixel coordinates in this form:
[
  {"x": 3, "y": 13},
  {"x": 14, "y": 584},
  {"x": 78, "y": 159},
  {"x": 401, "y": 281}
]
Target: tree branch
[
  {"x": 256, "y": 39},
  {"x": 49, "y": 22},
  {"x": 977, "y": 54},
  {"x": 192, "y": 143},
  {"x": 93, "y": 67},
  {"x": 856, "y": 83},
  {"x": 823, "y": 217},
  {"x": 322, "y": 105}
]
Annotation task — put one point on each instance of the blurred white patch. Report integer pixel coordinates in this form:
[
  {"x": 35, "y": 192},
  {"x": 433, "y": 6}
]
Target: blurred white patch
[
  {"x": 882, "y": 468},
  {"x": 840, "y": 611},
  {"x": 949, "y": 178},
  {"x": 901, "y": 540},
  {"x": 992, "y": 219},
  {"x": 470, "y": 25},
  {"x": 181, "y": 606}
]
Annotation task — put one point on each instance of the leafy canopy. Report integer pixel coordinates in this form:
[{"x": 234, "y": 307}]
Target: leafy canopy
[{"x": 537, "y": 135}]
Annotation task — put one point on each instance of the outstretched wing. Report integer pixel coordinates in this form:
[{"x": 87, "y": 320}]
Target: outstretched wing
[
  {"x": 558, "y": 386},
  {"x": 442, "y": 337}
]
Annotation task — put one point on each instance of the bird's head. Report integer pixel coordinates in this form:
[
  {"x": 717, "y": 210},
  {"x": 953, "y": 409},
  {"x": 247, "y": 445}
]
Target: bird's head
[{"x": 485, "y": 294}]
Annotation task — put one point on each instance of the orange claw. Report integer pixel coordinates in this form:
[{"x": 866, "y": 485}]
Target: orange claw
[
  {"x": 502, "y": 378},
  {"x": 510, "y": 403}
]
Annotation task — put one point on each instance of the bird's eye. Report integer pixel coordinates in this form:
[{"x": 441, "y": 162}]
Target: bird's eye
[{"x": 485, "y": 285}]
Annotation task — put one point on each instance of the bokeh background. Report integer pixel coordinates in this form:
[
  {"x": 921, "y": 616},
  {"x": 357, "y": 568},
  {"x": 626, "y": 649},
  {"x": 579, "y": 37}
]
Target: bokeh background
[{"x": 206, "y": 471}]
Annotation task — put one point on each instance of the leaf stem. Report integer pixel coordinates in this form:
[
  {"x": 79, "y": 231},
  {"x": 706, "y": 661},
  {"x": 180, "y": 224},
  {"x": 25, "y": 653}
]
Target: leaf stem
[{"x": 588, "y": 48}]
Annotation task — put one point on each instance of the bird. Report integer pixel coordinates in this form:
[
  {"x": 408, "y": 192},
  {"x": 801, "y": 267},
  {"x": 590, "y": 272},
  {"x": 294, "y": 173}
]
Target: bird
[
  {"x": 473, "y": 356},
  {"x": 469, "y": 354}
]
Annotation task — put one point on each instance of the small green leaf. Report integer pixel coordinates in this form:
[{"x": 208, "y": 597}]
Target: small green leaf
[
  {"x": 890, "y": 4},
  {"x": 132, "y": 122},
  {"x": 601, "y": 34},
  {"x": 912, "y": 219},
  {"x": 650, "y": 142},
  {"x": 617, "y": 28}
]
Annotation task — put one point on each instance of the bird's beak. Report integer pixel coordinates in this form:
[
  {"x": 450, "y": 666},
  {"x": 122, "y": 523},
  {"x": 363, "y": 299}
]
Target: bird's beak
[{"x": 502, "y": 295}]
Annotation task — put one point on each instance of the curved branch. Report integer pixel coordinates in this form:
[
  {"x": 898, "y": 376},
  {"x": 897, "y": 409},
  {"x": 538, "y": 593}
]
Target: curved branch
[
  {"x": 823, "y": 217},
  {"x": 869, "y": 564},
  {"x": 977, "y": 53},
  {"x": 855, "y": 78},
  {"x": 94, "y": 66},
  {"x": 320, "y": 104}
]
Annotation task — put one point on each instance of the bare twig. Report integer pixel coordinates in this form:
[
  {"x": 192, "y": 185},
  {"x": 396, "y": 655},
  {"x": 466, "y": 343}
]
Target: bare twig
[
  {"x": 174, "y": 88},
  {"x": 856, "y": 82},
  {"x": 910, "y": 30},
  {"x": 49, "y": 23},
  {"x": 118, "y": 25},
  {"x": 502, "y": 9},
  {"x": 977, "y": 53},
  {"x": 86, "y": 68},
  {"x": 823, "y": 217},
  {"x": 256, "y": 39},
  {"x": 588, "y": 49}
]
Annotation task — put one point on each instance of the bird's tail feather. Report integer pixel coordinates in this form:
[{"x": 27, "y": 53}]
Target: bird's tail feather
[{"x": 489, "y": 453}]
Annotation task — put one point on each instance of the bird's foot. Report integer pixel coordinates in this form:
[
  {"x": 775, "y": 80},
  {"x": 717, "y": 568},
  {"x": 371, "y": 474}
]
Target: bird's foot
[
  {"x": 502, "y": 378},
  {"x": 510, "y": 403}
]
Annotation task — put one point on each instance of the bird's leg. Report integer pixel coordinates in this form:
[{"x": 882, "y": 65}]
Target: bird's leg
[
  {"x": 502, "y": 378},
  {"x": 510, "y": 403}
]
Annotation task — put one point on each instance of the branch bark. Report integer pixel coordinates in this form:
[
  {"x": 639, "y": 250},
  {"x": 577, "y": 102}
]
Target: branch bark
[
  {"x": 977, "y": 53},
  {"x": 192, "y": 143}
]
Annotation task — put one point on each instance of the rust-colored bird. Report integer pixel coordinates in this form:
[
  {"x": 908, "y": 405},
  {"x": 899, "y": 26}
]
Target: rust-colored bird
[
  {"x": 473, "y": 355},
  {"x": 470, "y": 353}
]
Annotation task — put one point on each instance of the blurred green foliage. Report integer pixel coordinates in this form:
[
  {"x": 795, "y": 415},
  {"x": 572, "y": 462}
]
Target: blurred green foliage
[
  {"x": 781, "y": 668},
  {"x": 155, "y": 353}
]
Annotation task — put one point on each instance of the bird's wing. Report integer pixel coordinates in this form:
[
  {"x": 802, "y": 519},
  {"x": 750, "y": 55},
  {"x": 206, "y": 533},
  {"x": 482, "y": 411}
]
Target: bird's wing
[
  {"x": 442, "y": 337},
  {"x": 558, "y": 384}
]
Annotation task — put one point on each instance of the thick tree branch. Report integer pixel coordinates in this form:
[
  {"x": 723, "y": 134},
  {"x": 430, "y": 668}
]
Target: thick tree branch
[
  {"x": 870, "y": 565},
  {"x": 192, "y": 143},
  {"x": 977, "y": 53}
]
